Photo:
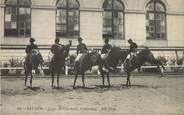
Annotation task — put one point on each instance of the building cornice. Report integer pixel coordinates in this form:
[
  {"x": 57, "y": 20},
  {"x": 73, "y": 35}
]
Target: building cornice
[{"x": 85, "y": 9}]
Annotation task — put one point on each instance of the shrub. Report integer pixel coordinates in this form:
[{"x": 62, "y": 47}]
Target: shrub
[{"x": 5, "y": 71}]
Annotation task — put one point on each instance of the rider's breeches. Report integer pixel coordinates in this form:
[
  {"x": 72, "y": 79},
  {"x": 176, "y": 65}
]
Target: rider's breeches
[
  {"x": 132, "y": 54},
  {"x": 80, "y": 55},
  {"x": 103, "y": 56}
]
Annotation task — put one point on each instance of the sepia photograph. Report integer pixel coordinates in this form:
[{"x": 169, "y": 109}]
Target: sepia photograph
[{"x": 92, "y": 57}]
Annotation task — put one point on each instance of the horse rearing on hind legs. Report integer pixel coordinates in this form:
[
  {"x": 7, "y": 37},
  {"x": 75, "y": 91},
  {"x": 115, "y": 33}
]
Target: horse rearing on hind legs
[
  {"x": 143, "y": 56},
  {"x": 57, "y": 63},
  {"x": 31, "y": 64}
]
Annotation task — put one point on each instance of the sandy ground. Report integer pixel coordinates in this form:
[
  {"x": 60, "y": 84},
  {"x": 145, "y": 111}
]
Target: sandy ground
[{"x": 149, "y": 95}]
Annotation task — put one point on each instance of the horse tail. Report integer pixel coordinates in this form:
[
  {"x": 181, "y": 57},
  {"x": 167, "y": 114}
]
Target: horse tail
[{"x": 159, "y": 62}]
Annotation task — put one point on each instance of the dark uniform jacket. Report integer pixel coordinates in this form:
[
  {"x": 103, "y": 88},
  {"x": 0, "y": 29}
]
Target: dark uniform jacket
[
  {"x": 81, "y": 48},
  {"x": 106, "y": 48},
  {"x": 133, "y": 47},
  {"x": 56, "y": 48},
  {"x": 30, "y": 48}
]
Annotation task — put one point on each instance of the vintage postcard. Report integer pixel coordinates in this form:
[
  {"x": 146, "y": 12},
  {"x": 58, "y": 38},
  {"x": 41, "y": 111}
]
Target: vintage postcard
[{"x": 92, "y": 57}]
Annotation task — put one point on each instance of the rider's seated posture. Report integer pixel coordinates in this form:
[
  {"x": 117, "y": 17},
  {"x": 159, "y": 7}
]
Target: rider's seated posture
[
  {"x": 55, "y": 48},
  {"x": 104, "y": 53},
  {"x": 105, "y": 49},
  {"x": 132, "y": 51},
  {"x": 31, "y": 49},
  {"x": 81, "y": 49}
]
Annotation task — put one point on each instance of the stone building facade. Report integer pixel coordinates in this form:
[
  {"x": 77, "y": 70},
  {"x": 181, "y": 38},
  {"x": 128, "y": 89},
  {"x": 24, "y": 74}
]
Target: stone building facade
[{"x": 152, "y": 23}]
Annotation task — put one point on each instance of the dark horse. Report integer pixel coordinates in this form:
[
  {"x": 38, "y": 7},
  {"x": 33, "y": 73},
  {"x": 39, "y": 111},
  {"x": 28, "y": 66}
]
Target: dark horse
[
  {"x": 143, "y": 56},
  {"x": 58, "y": 63},
  {"x": 85, "y": 63},
  {"x": 31, "y": 63},
  {"x": 115, "y": 56}
]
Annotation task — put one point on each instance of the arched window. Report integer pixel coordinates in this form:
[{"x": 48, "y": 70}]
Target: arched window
[
  {"x": 156, "y": 20},
  {"x": 17, "y": 18},
  {"x": 67, "y": 18},
  {"x": 113, "y": 19}
]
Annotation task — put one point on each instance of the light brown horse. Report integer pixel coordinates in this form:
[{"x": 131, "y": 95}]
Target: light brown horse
[
  {"x": 114, "y": 57},
  {"x": 86, "y": 63}
]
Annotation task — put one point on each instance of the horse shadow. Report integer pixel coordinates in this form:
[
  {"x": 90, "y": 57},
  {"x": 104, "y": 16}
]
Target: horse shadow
[
  {"x": 34, "y": 88},
  {"x": 92, "y": 88},
  {"x": 101, "y": 88},
  {"x": 141, "y": 86}
]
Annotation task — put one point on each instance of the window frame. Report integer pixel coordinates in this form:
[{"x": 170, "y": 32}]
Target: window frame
[
  {"x": 112, "y": 11},
  {"x": 17, "y": 6},
  {"x": 67, "y": 9},
  {"x": 155, "y": 12}
]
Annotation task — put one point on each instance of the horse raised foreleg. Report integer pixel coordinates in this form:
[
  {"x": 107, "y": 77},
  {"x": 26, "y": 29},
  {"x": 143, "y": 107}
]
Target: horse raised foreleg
[
  {"x": 83, "y": 80},
  {"x": 108, "y": 79},
  {"x": 58, "y": 80}
]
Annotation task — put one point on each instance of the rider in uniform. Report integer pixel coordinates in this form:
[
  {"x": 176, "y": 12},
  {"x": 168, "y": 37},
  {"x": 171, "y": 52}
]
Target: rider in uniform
[
  {"x": 31, "y": 49},
  {"x": 56, "y": 47},
  {"x": 104, "y": 53},
  {"x": 81, "y": 49},
  {"x": 132, "y": 51},
  {"x": 106, "y": 48}
]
